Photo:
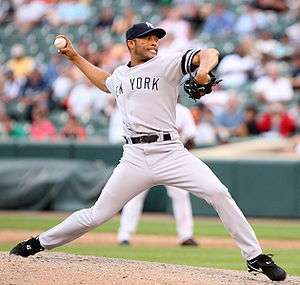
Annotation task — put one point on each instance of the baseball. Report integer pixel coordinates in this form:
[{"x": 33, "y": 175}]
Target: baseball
[{"x": 60, "y": 43}]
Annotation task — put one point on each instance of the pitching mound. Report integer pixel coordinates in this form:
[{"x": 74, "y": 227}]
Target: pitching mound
[{"x": 54, "y": 268}]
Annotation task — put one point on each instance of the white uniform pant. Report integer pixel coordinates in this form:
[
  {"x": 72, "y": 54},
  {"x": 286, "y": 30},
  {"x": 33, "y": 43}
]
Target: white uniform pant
[
  {"x": 143, "y": 166},
  {"x": 181, "y": 207}
]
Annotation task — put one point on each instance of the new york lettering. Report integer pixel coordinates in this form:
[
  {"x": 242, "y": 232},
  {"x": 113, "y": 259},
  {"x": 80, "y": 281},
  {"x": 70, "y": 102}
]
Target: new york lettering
[{"x": 144, "y": 83}]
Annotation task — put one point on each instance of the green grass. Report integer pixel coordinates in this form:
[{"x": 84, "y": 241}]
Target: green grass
[
  {"x": 166, "y": 226},
  {"x": 206, "y": 257}
]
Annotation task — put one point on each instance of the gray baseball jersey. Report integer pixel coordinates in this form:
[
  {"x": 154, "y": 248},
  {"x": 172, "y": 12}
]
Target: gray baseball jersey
[{"x": 147, "y": 95}]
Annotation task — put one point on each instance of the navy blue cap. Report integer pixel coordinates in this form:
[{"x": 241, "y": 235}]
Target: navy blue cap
[{"x": 143, "y": 29}]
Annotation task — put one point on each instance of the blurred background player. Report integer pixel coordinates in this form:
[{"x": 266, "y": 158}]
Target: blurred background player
[{"x": 180, "y": 198}]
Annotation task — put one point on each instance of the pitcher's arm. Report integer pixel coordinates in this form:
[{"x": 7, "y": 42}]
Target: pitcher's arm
[{"x": 95, "y": 74}]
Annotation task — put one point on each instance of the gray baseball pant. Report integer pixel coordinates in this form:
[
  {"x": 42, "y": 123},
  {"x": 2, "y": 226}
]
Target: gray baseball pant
[{"x": 143, "y": 166}]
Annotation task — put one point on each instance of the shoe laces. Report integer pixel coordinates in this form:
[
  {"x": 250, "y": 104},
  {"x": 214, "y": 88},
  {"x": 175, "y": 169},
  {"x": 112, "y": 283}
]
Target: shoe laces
[
  {"x": 266, "y": 260},
  {"x": 34, "y": 244}
]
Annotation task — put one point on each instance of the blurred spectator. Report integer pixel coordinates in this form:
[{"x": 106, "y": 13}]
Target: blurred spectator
[
  {"x": 250, "y": 21},
  {"x": 193, "y": 40},
  {"x": 276, "y": 121},
  {"x": 41, "y": 128},
  {"x": 205, "y": 128},
  {"x": 196, "y": 14},
  {"x": 86, "y": 100},
  {"x": 11, "y": 86},
  {"x": 232, "y": 117},
  {"x": 53, "y": 68},
  {"x": 217, "y": 100},
  {"x": 29, "y": 14},
  {"x": 293, "y": 33},
  {"x": 84, "y": 47},
  {"x": 273, "y": 5},
  {"x": 72, "y": 12},
  {"x": 122, "y": 23},
  {"x": 273, "y": 87},
  {"x": 279, "y": 48},
  {"x": 175, "y": 23},
  {"x": 10, "y": 128},
  {"x": 294, "y": 112},
  {"x": 7, "y": 11},
  {"x": 220, "y": 22},
  {"x": 236, "y": 69},
  {"x": 171, "y": 43},
  {"x": 73, "y": 129},
  {"x": 69, "y": 12},
  {"x": 266, "y": 44},
  {"x": 295, "y": 76},
  {"x": 106, "y": 19},
  {"x": 114, "y": 56},
  {"x": 62, "y": 86},
  {"x": 168, "y": 44},
  {"x": 249, "y": 125},
  {"x": 34, "y": 90},
  {"x": 294, "y": 6},
  {"x": 20, "y": 64},
  {"x": 285, "y": 49},
  {"x": 95, "y": 58}
]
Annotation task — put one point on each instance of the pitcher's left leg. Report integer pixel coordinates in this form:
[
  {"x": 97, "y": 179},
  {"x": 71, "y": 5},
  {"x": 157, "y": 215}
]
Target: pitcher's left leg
[{"x": 193, "y": 175}]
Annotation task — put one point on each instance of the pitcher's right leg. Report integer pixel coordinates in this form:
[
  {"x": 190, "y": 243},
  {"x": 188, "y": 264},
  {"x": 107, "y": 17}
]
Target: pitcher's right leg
[{"x": 127, "y": 181}]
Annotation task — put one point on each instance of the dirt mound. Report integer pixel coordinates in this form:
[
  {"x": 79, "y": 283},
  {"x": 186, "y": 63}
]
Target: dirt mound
[{"x": 53, "y": 268}]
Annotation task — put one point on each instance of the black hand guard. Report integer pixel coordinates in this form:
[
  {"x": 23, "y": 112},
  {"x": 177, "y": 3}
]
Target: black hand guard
[{"x": 195, "y": 90}]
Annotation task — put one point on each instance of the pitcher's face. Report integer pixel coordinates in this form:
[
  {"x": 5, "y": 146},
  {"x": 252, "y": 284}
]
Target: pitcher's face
[{"x": 144, "y": 48}]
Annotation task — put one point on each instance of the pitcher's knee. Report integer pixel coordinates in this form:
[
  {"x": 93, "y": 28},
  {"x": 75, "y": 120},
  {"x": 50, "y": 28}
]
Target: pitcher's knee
[
  {"x": 220, "y": 192},
  {"x": 98, "y": 217}
]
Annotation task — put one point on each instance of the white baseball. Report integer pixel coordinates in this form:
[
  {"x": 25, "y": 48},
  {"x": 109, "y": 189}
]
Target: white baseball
[{"x": 60, "y": 43}]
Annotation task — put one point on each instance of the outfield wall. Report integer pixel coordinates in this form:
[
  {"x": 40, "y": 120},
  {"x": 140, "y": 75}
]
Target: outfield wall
[{"x": 261, "y": 188}]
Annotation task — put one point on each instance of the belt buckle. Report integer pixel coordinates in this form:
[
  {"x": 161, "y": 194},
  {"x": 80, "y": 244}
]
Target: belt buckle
[
  {"x": 153, "y": 138},
  {"x": 149, "y": 138},
  {"x": 144, "y": 139}
]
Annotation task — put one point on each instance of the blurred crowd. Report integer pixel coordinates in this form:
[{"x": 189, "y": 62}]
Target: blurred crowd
[{"x": 49, "y": 99}]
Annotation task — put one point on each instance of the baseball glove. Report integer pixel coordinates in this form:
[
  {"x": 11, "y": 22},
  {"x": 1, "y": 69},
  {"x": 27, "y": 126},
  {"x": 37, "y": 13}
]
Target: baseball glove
[{"x": 196, "y": 90}]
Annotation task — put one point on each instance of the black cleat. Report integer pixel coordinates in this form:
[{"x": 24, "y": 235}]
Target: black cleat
[
  {"x": 27, "y": 247},
  {"x": 189, "y": 242},
  {"x": 124, "y": 243},
  {"x": 264, "y": 264}
]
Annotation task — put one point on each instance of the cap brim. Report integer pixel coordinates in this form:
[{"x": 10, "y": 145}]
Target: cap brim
[{"x": 159, "y": 32}]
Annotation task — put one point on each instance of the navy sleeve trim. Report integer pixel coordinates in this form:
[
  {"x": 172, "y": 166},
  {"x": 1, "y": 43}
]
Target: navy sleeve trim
[{"x": 186, "y": 61}]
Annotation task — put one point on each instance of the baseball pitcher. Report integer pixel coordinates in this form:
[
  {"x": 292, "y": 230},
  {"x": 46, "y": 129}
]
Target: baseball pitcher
[{"x": 146, "y": 91}]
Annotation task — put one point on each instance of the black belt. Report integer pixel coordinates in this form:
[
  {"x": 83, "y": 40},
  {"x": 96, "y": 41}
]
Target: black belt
[{"x": 148, "y": 139}]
